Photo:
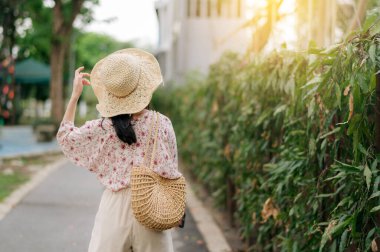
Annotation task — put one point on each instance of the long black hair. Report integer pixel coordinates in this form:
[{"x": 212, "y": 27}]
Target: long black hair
[{"x": 124, "y": 128}]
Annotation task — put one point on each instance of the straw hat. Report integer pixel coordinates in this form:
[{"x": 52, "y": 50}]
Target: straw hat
[{"x": 124, "y": 81}]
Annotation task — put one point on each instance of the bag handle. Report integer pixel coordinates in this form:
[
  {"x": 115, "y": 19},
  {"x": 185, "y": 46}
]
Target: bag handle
[
  {"x": 152, "y": 126},
  {"x": 155, "y": 141}
]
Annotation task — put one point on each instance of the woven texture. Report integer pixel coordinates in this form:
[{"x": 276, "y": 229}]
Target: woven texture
[
  {"x": 157, "y": 202},
  {"x": 124, "y": 81}
]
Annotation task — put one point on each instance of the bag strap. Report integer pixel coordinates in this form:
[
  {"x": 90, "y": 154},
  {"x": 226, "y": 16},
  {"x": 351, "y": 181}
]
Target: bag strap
[
  {"x": 154, "y": 122},
  {"x": 155, "y": 141}
]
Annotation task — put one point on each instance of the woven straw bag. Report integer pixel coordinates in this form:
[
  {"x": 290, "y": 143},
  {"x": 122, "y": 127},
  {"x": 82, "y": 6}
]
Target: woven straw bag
[{"x": 158, "y": 203}]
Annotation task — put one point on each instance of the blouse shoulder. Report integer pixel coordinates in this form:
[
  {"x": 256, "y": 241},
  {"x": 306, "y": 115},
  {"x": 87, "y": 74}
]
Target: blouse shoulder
[{"x": 164, "y": 120}]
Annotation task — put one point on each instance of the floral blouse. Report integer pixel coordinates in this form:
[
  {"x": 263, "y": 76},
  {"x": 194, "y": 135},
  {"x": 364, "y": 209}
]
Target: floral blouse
[{"x": 95, "y": 146}]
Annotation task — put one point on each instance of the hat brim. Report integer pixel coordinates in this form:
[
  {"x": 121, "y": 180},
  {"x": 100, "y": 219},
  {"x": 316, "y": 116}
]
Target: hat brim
[{"x": 150, "y": 78}]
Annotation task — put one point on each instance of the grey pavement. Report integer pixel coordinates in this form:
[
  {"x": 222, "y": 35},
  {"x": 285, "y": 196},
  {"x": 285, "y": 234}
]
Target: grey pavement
[
  {"x": 19, "y": 140},
  {"x": 58, "y": 216}
]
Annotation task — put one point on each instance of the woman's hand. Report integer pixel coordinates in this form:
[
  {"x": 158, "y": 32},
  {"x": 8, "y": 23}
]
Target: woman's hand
[{"x": 79, "y": 81}]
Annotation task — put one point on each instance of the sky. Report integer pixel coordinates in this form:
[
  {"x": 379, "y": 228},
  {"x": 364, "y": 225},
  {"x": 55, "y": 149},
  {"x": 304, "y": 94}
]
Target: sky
[{"x": 132, "y": 19}]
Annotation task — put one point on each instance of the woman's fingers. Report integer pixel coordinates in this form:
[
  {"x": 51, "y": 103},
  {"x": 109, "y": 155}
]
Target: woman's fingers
[
  {"x": 79, "y": 69},
  {"x": 81, "y": 76},
  {"x": 86, "y": 82},
  {"x": 85, "y": 75}
]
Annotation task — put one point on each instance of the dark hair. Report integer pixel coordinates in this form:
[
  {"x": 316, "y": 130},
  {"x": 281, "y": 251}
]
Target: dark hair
[{"x": 124, "y": 128}]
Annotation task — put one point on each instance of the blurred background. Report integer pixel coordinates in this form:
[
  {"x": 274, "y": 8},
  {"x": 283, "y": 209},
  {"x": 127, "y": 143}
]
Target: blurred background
[
  {"x": 275, "y": 104},
  {"x": 42, "y": 42}
]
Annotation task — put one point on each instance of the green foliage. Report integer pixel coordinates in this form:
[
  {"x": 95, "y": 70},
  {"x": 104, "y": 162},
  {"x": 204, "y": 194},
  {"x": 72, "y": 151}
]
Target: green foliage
[
  {"x": 35, "y": 25},
  {"x": 90, "y": 47},
  {"x": 295, "y": 128}
]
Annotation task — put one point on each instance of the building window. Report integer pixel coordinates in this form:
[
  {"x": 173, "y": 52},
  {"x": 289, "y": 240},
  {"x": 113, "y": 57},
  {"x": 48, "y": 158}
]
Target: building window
[
  {"x": 238, "y": 13},
  {"x": 208, "y": 8},
  {"x": 215, "y": 8},
  {"x": 198, "y": 8},
  {"x": 219, "y": 7},
  {"x": 189, "y": 8}
]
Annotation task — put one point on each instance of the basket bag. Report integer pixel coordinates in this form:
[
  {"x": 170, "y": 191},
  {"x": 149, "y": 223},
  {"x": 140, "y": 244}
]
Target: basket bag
[{"x": 158, "y": 203}]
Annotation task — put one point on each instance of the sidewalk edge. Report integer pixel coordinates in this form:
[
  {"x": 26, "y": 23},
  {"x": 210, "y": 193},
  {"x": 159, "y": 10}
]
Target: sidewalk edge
[
  {"x": 213, "y": 236},
  {"x": 30, "y": 154},
  {"x": 15, "y": 197}
]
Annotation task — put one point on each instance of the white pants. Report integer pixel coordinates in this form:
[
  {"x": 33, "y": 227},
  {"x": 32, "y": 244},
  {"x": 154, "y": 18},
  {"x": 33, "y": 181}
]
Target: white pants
[{"x": 117, "y": 230}]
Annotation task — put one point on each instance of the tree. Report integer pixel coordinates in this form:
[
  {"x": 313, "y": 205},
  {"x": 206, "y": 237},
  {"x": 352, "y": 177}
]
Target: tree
[
  {"x": 34, "y": 41},
  {"x": 90, "y": 47},
  {"x": 64, "y": 16}
]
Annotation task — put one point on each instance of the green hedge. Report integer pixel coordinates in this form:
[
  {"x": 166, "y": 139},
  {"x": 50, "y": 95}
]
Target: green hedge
[{"x": 290, "y": 136}]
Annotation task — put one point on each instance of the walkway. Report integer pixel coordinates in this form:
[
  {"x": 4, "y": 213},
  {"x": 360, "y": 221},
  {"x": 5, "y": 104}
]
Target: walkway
[
  {"x": 19, "y": 140},
  {"x": 58, "y": 216}
]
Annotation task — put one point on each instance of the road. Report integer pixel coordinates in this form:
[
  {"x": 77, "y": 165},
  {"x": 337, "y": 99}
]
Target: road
[{"x": 58, "y": 216}]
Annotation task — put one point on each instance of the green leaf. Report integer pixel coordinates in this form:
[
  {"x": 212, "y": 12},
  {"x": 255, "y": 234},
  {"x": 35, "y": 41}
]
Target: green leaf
[
  {"x": 310, "y": 109},
  {"x": 374, "y": 195},
  {"x": 279, "y": 109},
  {"x": 343, "y": 241},
  {"x": 376, "y": 184},
  {"x": 338, "y": 228},
  {"x": 374, "y": 165},
  {"x": 315, "y": 80},
  {"x": 370, "y": 20},
  {"x": 338, "y": 94},
  {"x": 337, "y": 129},
  {"x": 331, "y": 49},
  {"x": 372, "y": 53},
  {"x": 354, "y": 124},
  {"x": 347, "y": 167},
  {"x": 334, "y": 230},
  {"x": 368, "y": 176},
  {"x": 344, "y": 202},
  {"x": 363, "y": 150},
  {"x": 363, "y": 85},
  {"x": 368, "y": 239},
  {"x": 326, "y": 195},
  {"x": 312, "y": 147},
  {"x": 375, "y": 209}
]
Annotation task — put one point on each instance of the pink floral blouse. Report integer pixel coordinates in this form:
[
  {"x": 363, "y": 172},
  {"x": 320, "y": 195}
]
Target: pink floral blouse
[{"x": 95, "y": 146}]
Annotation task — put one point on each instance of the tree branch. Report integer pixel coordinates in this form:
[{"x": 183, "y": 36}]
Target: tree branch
[
  {"x": 58, "y": 18},
  {"x": 66, "y": 27}
]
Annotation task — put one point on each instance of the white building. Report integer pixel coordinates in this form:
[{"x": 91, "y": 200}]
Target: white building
[{"x": 194, "y": 33}]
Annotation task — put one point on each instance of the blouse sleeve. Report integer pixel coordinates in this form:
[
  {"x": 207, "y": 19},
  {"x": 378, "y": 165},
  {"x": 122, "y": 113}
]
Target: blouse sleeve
[
  {"x": 168, "y": 158},
  {"x": 77, "y": 143}
]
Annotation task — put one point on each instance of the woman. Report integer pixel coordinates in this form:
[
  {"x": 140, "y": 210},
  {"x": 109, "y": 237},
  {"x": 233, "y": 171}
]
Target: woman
[{"x": 123, "y": 83}]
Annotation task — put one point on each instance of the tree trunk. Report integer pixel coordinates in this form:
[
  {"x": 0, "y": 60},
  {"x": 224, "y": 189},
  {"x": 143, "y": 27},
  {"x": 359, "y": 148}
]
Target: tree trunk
[
  {"x": 62, "y": 29},
  {"x": 56, "y": 83}
]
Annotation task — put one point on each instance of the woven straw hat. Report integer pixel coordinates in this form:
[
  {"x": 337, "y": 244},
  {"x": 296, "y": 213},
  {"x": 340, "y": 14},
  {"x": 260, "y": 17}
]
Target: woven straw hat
[{"x": 124, "y": 81}]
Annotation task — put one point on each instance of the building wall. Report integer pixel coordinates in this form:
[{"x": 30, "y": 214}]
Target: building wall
[{"x": 195, "y": 33}]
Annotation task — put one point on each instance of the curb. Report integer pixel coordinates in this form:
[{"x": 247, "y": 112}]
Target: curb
[
  {"x": 213, "y": 236},
  {"x": 15, "y": 197},
  {"x": 30, "y": 154}
]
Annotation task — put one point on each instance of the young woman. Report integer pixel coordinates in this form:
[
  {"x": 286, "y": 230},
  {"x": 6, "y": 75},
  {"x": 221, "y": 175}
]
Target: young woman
[{"x": 109, "y": 147}]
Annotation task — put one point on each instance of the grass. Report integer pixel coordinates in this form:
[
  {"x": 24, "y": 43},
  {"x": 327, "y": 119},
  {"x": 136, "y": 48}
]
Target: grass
[
  {"x": 20, "y": 172},
  {"x": 8, "y": 183}
]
